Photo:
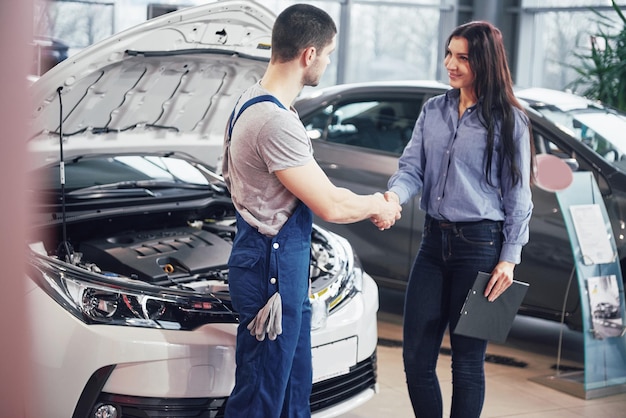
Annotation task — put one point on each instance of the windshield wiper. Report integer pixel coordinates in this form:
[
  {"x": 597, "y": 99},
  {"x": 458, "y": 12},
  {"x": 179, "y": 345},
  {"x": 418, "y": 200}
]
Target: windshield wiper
[
  {"x": 106, "y": 129},
  {"x": 133, "y": 188},
  {"x": 99, "y": 130}
]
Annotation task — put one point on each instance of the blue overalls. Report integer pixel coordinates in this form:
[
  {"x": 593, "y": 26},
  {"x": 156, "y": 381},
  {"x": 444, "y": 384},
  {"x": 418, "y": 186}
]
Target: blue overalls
[
  {"x": 272, "y": 375},
  {"x": 272, "y": 378}
]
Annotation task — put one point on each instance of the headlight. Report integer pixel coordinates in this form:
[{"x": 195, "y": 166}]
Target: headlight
[
  {"x": 114, "y": 300},
  {"x": 336, "y": 275}
]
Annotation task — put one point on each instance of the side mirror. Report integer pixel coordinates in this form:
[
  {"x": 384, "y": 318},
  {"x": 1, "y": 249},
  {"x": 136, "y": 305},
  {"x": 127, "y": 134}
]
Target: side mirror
[{"x": 553, "y": 174}]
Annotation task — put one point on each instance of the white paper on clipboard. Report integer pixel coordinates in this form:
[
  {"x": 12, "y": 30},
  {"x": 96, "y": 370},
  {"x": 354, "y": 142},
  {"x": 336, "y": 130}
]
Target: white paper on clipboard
[{"x": 592, "y": 235}]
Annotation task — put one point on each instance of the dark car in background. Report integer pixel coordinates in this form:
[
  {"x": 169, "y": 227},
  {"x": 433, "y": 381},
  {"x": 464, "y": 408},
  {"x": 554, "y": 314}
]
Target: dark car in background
[{"x": 359, "y": 131}]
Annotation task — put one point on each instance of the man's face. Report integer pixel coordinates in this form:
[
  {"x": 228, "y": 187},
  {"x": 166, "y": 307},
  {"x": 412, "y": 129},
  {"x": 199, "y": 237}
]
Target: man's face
[{"x": 322, "y": 58}]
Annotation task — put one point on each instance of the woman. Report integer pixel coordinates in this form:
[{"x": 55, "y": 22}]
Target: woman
[{"x": 471, "y": 157}]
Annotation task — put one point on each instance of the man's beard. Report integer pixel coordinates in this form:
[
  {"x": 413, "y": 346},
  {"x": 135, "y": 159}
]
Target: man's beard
[
  {"x": 308, "y": 81},
  {"x": 311, "y": 79}
]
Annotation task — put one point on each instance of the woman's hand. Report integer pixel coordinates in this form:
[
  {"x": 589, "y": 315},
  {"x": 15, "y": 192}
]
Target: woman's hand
[{"x": 501, "y": 279}]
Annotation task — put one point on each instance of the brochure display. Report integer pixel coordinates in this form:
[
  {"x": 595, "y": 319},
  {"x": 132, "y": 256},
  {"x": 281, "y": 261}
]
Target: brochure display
[{"x": 602, "y": 293}]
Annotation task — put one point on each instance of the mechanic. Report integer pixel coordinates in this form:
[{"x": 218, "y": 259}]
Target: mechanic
[{"x": 276, "y": 186}]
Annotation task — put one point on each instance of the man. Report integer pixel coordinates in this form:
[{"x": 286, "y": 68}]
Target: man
[{"x": 276, "y": 185}]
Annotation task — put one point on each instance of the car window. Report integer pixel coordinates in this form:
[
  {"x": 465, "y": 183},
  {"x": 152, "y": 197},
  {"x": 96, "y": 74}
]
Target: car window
[
  {"x": 543, "y": 145},
  {"x": 382, "y": 125}
]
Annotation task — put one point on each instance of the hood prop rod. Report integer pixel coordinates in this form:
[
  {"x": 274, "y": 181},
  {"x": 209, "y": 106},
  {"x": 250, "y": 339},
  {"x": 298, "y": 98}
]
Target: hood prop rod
[{"x": 65, "y": 250}]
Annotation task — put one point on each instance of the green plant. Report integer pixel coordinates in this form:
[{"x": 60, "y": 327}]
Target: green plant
[{"x": 602, "y": 70}]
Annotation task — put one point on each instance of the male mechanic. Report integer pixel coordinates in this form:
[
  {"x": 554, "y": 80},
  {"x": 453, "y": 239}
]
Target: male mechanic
[{"x": 276, "y": 186}]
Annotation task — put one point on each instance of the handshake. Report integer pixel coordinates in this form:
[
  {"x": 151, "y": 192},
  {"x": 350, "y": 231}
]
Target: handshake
[{"x": 387, "y": 210}]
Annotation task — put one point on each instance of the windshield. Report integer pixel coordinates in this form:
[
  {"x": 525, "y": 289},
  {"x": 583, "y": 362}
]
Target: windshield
[
  {"x": 605, "y": 131},
  {"x": 126, "y": 171},
  {"x": 602, "y": 130}
]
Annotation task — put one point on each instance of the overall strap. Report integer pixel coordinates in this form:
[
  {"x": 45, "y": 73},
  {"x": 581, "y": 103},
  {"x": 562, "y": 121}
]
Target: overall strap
[{"x": 254, "y": 100}]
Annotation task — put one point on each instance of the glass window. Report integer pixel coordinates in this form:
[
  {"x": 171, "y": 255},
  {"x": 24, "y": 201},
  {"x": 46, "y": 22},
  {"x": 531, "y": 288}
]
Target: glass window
[
  {"x": 384, "y": 125},
  {"x": 76, "y": 23},
  {"x": 555, "y": 34},
  {"x": 382, "y": 46},
  {"x": 564, "y": 3},
  {"x": 385, "y": 46},
  {"x": 385, "y": 39}
]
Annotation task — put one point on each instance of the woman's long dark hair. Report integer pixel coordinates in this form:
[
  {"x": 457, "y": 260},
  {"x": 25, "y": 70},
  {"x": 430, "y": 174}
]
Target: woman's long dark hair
[{"x": 494, "y": 86}]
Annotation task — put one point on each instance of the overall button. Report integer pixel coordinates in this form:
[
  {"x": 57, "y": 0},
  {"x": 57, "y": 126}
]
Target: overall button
[
  {"x": 276, "y": 245},
  {"x": 273, "y": 280}
]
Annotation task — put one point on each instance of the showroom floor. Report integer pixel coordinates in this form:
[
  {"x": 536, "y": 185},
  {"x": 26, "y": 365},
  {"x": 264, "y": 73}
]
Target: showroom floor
[{"x": 530, "y": 353}]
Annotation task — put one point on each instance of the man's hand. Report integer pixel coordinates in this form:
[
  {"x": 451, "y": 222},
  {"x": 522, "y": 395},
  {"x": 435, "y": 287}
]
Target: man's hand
[{"x": 388, "y": 213}]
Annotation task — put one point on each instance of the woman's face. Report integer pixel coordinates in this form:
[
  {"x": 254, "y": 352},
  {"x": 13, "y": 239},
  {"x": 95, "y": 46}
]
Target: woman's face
[{"x": 457, "y": 63}]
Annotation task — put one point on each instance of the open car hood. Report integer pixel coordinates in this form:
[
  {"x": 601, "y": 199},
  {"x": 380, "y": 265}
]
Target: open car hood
[
  {"x": 168, "y": 83},
  {"x": 128, "y": 228}
]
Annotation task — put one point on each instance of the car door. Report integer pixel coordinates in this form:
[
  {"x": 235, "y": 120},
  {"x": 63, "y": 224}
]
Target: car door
[
  {"x": 357, "y": 142},
  {"x": 547, "y": 261}
]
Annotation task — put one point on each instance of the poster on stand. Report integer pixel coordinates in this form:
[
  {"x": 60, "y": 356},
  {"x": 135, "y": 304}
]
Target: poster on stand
[
  {"x": 592, "y": 234},
  {"x": 604, "y": 305}
]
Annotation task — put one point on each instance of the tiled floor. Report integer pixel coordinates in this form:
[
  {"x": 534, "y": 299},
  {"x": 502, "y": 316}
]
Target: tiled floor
[{"x": 530, "y": 353}]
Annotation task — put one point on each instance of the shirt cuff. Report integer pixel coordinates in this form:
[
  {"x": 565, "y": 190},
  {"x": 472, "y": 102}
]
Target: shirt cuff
[
  {"x": 402, "y": 193},
  {"x": 511, "y": 253}
]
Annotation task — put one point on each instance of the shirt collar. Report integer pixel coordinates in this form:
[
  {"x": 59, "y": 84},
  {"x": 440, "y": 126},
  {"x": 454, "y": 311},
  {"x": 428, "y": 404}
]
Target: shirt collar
[{"x": 454, "y": 95}]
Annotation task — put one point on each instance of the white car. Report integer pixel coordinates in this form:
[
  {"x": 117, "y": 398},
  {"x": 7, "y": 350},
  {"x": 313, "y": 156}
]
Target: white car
[{"x": 128, "y": 278}]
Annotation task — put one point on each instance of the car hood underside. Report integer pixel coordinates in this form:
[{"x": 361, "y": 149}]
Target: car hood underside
[{"x": 170, "y": 83}]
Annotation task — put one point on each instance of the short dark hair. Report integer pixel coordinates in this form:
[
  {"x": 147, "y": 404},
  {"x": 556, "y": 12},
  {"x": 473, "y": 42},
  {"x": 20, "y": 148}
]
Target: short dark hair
[{"x": 299, "y": 27}]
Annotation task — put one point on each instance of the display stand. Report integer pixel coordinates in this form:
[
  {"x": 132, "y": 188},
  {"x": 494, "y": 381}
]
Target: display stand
[{"x": 601, "y": 293}]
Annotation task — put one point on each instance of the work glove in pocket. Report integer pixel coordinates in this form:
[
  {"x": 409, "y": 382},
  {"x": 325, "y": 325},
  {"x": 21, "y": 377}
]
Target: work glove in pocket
[{"x": 269, "y": 319}]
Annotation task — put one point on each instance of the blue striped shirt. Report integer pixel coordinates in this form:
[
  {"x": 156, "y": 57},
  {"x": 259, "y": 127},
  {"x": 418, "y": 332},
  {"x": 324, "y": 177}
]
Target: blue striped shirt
[{"x": 445, "y": 161}]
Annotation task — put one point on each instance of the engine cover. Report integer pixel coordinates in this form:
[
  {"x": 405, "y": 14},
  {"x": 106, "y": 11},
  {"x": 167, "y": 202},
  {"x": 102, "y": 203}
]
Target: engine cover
[{"x": 159, "y": 256}]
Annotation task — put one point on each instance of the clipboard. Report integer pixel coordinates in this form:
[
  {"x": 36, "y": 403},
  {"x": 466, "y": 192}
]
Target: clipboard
[{"x": 490, "y": 320}]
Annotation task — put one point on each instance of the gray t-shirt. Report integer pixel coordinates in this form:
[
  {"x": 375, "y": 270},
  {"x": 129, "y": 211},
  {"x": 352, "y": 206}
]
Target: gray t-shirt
[{"x": 265, "y": 139}]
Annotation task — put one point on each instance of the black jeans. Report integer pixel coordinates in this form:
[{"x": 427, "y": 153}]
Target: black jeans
[{"x": 444, "y": 270}]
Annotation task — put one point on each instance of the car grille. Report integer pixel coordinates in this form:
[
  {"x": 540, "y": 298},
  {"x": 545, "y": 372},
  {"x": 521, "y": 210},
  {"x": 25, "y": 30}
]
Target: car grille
[
  {"x": 333, "y": 391},
  {"x": 325, "y": 394}
]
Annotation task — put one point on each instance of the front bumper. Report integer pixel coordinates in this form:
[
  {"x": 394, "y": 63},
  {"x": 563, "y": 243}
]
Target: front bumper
[{"x": 147, "y": 372}]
